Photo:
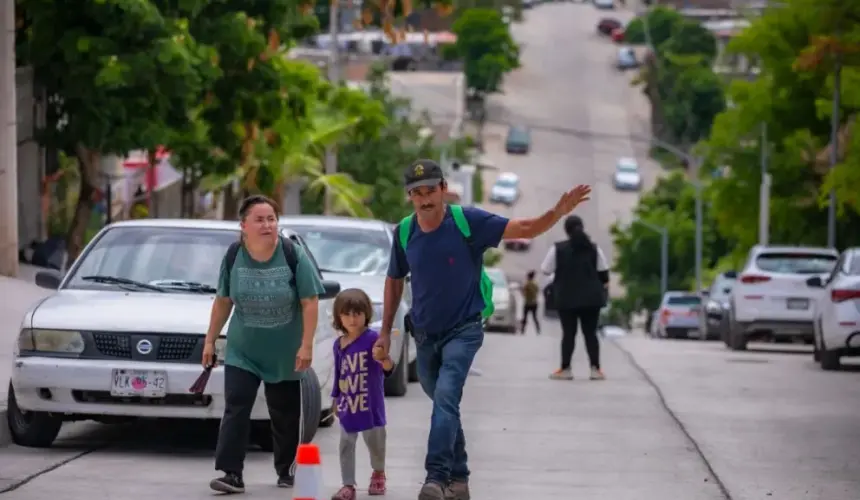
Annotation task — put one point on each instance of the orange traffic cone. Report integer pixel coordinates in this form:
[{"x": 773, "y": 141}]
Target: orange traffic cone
[{"x": 308, "y": 479}]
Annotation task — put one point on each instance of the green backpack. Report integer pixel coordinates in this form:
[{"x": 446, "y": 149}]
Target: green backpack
[{"x": 463, "y": 225}]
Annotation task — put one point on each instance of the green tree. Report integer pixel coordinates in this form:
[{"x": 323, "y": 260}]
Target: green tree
[
  {"x": 119, "y": 76},
  {"x": 485, "y": 46}
]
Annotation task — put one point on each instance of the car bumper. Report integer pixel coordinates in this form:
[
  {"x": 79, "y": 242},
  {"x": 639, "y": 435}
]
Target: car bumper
[
  {"x": 505, "y": 318},
  {"x": 788, "y": 328},
  {"x": 82, "y": 387}
]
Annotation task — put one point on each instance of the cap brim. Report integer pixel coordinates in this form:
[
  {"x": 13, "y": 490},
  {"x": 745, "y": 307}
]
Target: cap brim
[{"x": 423, "y": 182}]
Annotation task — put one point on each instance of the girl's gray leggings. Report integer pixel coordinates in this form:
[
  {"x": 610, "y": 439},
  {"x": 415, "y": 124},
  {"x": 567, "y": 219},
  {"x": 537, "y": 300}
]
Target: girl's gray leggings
[{"x": 375, "y": 441}]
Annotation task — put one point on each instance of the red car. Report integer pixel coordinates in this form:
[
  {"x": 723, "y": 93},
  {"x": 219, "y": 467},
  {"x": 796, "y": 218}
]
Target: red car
[
  {"x": 518, "y": 244},
  {"x": 607, "y": 25},
  {"x": 618, "y": 35}
]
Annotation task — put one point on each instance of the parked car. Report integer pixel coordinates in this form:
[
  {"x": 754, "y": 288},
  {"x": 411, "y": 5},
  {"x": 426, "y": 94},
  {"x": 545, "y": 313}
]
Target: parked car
[
  {"x": 518, "y": 140},
  {"x": 716, "y": 305},
  {"x": 626, "y": 59},
  {"x": 137, "y": 302},
  {"x": 678, "y": 315},
  {"x": 771, "y": 300},
  {"x": 506, "y": 189},
  {"x": 505, "y": 316},
  {"x": 837, "y": 316},
  {"x": 626, "y": 176},
  {"x": 518, "y": 244},
  {"x": 604, "y": 4},
  {"x": 617, "y": 35},
  {"x": 355, "y": 253},
  {"x": 607, "y": 25}
]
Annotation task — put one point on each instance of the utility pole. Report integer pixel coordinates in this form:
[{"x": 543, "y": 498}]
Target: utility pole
[
  {"x": 334, "y": 78},
  {"x": 8, "y": 145},
  {"x": 834, "y": 148},
  {"x": 696, "y": 164},
  {"x": 764, "y": 192},
  {"x": 664, "y": 253}
]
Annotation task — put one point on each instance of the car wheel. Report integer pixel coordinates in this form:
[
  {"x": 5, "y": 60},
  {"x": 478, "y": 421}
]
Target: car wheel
[
  {"x": 830, "y": 360},
  {"x": 737, "y": 337},
  {"x": 261, "y": 430},
  {"x": 398, "y": 382},
  {"x": 33, "y": 429}
]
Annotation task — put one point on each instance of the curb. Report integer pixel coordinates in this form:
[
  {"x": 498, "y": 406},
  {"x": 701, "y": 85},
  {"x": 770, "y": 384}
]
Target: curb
[{"x": 5, "y": 437}]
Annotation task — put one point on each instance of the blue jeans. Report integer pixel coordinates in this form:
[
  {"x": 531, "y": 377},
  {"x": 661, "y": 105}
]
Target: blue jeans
[{"x": 443, "y": 365}]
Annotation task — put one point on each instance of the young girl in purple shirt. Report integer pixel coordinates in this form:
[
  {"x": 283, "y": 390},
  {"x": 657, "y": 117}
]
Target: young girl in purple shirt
[{"x": 358, "y": 395}]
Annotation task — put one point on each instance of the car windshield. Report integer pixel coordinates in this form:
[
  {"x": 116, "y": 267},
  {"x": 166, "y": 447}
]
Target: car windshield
[
  {"x": 629, "y": 168},
  {"x": 518, "y": 134},
  {"x": 795, "y": 263},
  {"x": 497, "y": 276},
  {"x": 506, "y": 183},
  {"x": 344, "y": 249},
  {"x": 174, "y": 258},
  {"x": 683, "y": 300}
]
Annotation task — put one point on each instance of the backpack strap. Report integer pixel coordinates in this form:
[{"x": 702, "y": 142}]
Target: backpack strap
[
  {"x": 289, "y": 253},
  {"x": 461, "y": 222},
  {"x": 404, "y": 230}
]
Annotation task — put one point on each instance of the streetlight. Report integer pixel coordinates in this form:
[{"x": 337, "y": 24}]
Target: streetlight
[{"x": 664, "y": 253}]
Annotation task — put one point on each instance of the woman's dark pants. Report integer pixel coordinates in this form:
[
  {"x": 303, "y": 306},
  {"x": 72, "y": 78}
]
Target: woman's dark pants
[
  {"x": 588, "y": 318},
  {"x": 284, "y": 400}
]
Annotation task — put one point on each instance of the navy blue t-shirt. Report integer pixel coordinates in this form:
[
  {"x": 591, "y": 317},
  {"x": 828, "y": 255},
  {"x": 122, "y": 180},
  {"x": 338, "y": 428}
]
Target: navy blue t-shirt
[{"x": 446, "y": 270}]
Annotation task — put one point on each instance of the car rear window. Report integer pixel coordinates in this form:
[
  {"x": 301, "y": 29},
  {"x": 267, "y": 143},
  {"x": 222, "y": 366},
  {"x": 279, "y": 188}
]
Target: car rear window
[
  {"x": 684, "y": 300},
  {"x": 795, "y": 263}
]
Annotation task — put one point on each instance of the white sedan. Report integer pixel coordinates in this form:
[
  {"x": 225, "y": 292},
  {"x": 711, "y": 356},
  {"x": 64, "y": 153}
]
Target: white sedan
[
  {"x": 837, "y": 315},
  {"x": 627, "y": 176},
  {"x": 123, "y": 335}
]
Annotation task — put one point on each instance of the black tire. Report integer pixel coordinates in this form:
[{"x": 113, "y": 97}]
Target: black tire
[
  {"x": 737, "y": 338},
  {"x": 830, "y": 360},
  {"x": 397, "y": 384},
  {"x": 33, "y": 429},
  {"x": 261, "y": 430}
]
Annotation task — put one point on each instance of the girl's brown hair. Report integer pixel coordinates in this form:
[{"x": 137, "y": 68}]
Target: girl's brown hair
[{"x": 351, "y": 300}]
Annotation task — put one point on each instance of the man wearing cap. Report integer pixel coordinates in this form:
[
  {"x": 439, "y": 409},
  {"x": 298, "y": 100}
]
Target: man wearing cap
[{"x": 445, "y": 271}]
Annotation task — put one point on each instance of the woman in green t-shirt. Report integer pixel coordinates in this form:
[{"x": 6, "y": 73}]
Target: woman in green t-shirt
[{"x": 271, "y": 338}]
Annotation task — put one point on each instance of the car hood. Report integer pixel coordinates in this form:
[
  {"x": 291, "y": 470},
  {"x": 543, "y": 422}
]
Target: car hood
[
  {"x": 373, "y": 285},
  {"x": 124, "y": 311}
]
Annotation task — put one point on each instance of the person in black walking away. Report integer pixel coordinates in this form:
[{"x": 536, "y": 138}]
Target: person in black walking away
[
  {"x": 531, "y": 290},
  {"x": 580, "y": 285}
]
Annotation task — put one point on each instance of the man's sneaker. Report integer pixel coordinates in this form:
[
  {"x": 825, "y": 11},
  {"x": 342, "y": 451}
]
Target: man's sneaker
[
  {"x": 432, "y": 491},
  {"x": 286, "y": 481},
  {"x": 345, "y": 493},
  {"x": 597, "y": 374},
  {"x": 377, "y": 483},
  {"x": 230, "y": 483},
  {"x": 458, "y": 489},
  {"x": 561, "y": 374}
]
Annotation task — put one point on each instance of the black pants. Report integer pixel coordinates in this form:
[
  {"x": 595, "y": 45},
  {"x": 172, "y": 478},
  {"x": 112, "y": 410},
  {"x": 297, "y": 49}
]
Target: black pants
[
  {"x": 284, "y": 400},
  {"x": 530, "y": 308},
  {"x": 587, "y": 317}
]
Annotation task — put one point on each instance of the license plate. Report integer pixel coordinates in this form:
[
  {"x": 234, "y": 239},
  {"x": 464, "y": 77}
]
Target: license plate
[
  {"x": 798, "y": 303},
  {"x": 140, "y": 383}
]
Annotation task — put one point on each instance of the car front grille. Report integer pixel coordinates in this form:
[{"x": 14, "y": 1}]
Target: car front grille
[
  {"x": 113, "y": 345},
  {"x": 177, "y": 348}
]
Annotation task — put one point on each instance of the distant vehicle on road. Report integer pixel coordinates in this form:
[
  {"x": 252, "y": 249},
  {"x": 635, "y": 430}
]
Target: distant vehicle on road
[
  {"x": 518, "y": 244},
  {"x": 771, "y": 299},
  {"x": 626, "y": 176},
  {"x": 122, "y": 337},
  {"x": 355, "y": 253},
  {"x": 617, "y": 35},
  {"x": 607, "y": 25},
  {"x": 505, "y": 316},
  {"x": 837, "y": 315},
  {"x": 626, "y": 59},
  {"x": 518, "y": 140},
  {"x": 506, "y": 189},
  {"x": 716, "y": 305},
  {"x": 678, "y": 315},
  {"x": 604, "y": 4}
]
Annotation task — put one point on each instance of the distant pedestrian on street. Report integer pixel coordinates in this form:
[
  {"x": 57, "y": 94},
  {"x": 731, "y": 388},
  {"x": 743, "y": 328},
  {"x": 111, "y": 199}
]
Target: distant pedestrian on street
[
  {"x": 580, "y": 285},
  {"x": 273, "y": 290},
  {"x": 358, "y": 395},
  {"x": 531, "y": 290},
  {"x": 444, "y": 255}
]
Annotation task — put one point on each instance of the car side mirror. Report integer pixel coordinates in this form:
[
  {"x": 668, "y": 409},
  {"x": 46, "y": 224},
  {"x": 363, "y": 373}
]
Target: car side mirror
[
  {"x": 814, "y": 282},
  {"x": 330, "y": 289},
  {"x": 48, "y": 279},
  {"x": 727, "y": 290}
]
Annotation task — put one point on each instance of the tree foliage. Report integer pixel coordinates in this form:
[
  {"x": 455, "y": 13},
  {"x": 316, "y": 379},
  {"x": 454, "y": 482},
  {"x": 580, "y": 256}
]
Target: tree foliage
[{"x": 485, "y": 46}]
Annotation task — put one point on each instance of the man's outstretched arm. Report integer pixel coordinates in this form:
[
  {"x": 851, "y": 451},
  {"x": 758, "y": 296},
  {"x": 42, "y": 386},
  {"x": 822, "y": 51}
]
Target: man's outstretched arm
[{"x": 531, "y": 228}]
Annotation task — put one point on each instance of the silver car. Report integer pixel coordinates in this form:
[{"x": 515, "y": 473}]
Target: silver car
[
  {"x": 678, "y": 315},
  {"x": 505, "y": 315},
  {"x": 355, "y": 253},
  {"x": 122, "y": 337},
  {"x": 627, "y": 176}
]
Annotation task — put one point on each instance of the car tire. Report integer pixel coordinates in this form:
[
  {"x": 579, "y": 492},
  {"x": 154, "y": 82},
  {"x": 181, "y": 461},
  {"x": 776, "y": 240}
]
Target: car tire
[
  {"x": 397, "y": 384},
  {"x": 33, "y": 429},
  {"x": 736, "y": 335},
  {"x": 261, "y": 430},
  {"x": 830, "y": 360}
]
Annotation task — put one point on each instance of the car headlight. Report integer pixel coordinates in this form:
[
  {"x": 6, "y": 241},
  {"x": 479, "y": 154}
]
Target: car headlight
[
  {"x": 221, "y": 349},
  {"x": 51, "y": 341}
]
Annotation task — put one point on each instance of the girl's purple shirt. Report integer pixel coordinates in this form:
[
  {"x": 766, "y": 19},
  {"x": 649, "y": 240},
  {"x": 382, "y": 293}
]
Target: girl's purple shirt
[{"x": 358, "y": 388}]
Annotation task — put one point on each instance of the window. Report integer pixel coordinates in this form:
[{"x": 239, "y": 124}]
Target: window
[
  {"x": 350, "y": 250},
  {"x": 152, "y": 254},
  {"x": 795, "y": 263},
  {"x": 506, "y": 183},
  {"x": 684, "y": 300}
]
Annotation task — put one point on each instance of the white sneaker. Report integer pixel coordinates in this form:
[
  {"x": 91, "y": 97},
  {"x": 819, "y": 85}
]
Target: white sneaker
[
  {"x": 597, "y": 374},
  {"x": 561, "y": 375}
]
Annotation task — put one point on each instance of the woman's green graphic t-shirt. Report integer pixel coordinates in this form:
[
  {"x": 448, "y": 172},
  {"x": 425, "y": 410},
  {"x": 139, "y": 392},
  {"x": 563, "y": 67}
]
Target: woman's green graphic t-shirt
[{"x": 265, "y": 331}]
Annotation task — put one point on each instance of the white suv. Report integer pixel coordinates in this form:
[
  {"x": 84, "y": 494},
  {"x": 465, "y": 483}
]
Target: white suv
[
  {"x": 837, "y": 317},
  {"x": 771, "y": 298}
]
